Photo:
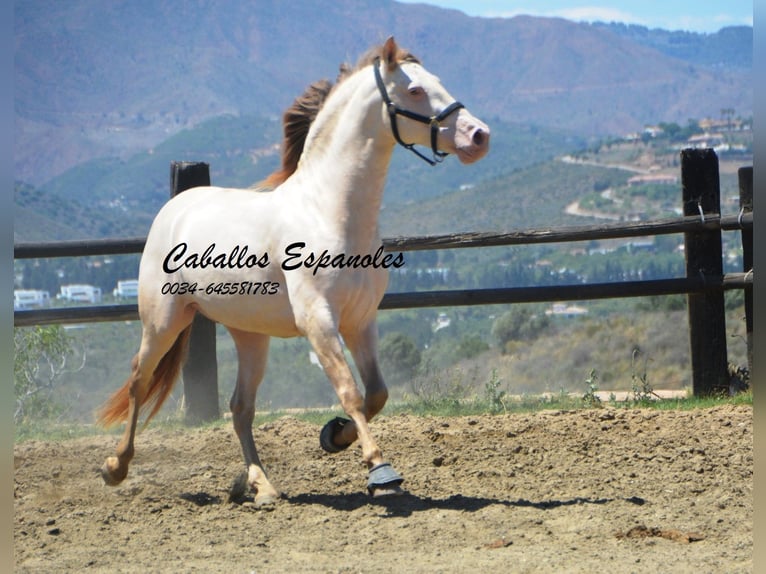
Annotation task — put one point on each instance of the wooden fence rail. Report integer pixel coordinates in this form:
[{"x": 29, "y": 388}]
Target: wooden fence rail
[
  {"x": 668, "y": 226},
  {"x": 444, "y": 298},
  {"x": 704, "y": 283}
]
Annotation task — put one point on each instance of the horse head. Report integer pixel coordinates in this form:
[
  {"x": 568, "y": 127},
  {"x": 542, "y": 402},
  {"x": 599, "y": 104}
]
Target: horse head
[{"x": 421, "y": 111}]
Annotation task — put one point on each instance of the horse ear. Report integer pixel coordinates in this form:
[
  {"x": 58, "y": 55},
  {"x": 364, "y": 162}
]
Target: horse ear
[{"x": 390, "y": 49}]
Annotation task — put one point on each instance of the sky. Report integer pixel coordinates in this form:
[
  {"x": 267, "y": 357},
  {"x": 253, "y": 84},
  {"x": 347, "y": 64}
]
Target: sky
[{"x": 691, "y": 15}]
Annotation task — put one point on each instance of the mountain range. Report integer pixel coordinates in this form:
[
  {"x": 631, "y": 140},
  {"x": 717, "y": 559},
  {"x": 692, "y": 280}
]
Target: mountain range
[{"x": 99, "y": 86}]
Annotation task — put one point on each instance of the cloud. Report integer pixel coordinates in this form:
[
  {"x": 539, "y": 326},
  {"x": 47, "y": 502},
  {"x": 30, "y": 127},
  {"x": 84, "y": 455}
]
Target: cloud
[
  {"x": 580, "y": 14},
  {"x": 699, "y": 23},
  {"x": 709, "y": 23},
  {"x": 598, "y": 14}
]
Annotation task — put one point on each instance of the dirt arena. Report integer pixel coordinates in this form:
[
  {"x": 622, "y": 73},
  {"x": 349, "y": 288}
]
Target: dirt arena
[{"x": 601, "y": 490}]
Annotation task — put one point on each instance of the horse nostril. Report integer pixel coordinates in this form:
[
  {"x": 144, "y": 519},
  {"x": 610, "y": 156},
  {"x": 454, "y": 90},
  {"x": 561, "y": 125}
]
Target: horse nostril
[{"x": 479, "y": 138}]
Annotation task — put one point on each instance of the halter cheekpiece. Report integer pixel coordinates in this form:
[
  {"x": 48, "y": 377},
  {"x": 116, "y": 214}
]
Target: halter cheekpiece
[{"x": 433, "y": 121}]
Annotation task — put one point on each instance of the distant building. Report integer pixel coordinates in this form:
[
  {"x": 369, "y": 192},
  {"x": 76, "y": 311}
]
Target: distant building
[
  {"x": 30, "y": 299},
  {"x": 653, "y": 131},
  {"x": 564, "y": 310},
  {"x": 654, "y": 178},
  {"x": 442, "y": 322},
  {"x": 719, "y": 125},
  {"x": 641, "y": 244},
  {"x": 80, "y": 293},
  {"x": 126, "y": 289},
  {"x": 705, "y": 140}
]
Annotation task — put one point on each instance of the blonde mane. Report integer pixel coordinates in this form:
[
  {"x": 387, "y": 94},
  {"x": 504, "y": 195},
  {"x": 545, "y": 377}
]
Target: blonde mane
[{"x": 298, "y": 118}]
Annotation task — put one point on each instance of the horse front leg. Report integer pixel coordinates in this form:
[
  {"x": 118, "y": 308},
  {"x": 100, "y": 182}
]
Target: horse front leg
[
  {"x": 383, "y": 480},
  {"x": 252, "y": 351},
  {"x": 363, "y": 345}
]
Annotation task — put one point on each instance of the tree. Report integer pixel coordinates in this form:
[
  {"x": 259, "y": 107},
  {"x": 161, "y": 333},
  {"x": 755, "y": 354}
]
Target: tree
[
  {"x": 672, "y": 130},
  {"x": 41, "y": 357},
  {"x": 518, "y": 324},
  {"x": 470, "y": 346},
  {"x": 399, "y": 357}
]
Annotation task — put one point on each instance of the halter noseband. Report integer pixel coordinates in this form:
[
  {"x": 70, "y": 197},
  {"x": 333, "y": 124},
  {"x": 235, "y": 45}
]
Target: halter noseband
[{"x": 433, "y": 121}]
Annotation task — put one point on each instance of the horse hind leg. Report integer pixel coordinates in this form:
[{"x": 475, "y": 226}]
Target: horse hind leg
[
  {"x": 153, "y": 373},
  {"x": 252, "y": 352},
  {"x": 115, "y": 469}
]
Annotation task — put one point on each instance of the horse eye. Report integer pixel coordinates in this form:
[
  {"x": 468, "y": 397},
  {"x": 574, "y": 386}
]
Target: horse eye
[{"x": 416, "y": 91}]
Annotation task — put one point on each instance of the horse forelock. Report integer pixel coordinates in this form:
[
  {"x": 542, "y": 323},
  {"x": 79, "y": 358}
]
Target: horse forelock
[
  {"x": 371, "y": 55},
  {"x": 298, "y": 118}
]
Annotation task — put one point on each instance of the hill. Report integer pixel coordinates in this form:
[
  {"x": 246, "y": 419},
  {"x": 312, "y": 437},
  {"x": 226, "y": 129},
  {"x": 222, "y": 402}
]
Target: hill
[
  {"x": 122, "y": 196},
  {"x": 729, "y": 48},
  {"x": 98, "y": 80},
  {"x": 43, "y": 216},
  {"x": 527, "y": 198}
]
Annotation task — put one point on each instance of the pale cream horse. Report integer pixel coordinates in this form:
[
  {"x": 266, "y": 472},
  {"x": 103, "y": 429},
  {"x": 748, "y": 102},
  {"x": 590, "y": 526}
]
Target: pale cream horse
[{"x": 300, "y": 258}]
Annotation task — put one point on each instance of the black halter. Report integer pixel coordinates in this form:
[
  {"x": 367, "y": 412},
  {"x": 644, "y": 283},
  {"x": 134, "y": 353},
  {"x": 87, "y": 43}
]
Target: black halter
[{"x": 433, "y": 121}]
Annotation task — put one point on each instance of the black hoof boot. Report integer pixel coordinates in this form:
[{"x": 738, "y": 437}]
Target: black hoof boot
[{"x": 329, "y": 430}]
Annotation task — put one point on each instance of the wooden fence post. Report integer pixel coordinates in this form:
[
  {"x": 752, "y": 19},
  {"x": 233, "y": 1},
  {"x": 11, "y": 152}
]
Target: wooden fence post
[
  {"x": 707, "y": 323},
  {"x": 200, "y": 373},
  {"x": 746, "y": 206}
]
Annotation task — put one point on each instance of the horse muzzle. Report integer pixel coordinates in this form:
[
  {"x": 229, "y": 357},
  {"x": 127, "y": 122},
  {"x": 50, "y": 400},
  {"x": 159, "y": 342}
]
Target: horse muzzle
[{"x": 471, "y": 138}]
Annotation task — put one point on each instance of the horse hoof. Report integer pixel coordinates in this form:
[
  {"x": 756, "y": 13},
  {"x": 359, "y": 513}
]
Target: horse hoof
[
  {"x": 330, "y": 430},
  {"x": 110, "y": 476},
  {"x": 384, "y": 481},
  {"x": 238, "y": 488},
  {"x": 384, "y": 491},
  {"x": 266, "y": 502}
]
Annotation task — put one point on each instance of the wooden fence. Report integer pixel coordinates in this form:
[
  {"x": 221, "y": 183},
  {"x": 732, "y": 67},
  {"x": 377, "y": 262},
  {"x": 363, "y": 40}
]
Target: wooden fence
[{"x": 704, "y": 283}]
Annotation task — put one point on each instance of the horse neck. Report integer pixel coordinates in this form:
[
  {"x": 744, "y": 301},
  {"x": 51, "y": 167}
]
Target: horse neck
[{"x": 345, "y": 160}]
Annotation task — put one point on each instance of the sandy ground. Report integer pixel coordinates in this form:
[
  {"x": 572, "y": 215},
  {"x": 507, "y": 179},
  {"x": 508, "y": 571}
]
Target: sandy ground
[{"x": 602, "y": 490}]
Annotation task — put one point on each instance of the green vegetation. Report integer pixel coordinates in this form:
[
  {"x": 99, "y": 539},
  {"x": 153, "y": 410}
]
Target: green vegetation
[
  {"x": 399, "y": 357},
  {"x": 520, "y": 323},
  {"x": 590, "y": 398},
  {"x": 50, "y": 430},
  {"x": 41, "y": 356},
  {"x": 629, "y": 342},
  {"x": 442, "y": 384}
]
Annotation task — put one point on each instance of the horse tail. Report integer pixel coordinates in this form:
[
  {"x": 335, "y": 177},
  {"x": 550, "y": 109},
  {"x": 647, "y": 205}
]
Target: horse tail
[{"x": 115, "y": 410}]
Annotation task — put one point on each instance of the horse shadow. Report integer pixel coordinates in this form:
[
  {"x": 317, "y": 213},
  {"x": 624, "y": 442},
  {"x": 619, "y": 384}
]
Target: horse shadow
[{"x": 408, "y": 504}]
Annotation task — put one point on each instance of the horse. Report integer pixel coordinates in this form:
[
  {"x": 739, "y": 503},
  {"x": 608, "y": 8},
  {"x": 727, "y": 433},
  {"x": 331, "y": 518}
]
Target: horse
[{"x": 298, "y": 255}]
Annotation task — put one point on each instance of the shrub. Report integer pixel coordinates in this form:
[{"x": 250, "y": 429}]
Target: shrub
[
  {"x": 40, "y": 358},
  {"x": 518, "y": 324},
  {"x": 399, "y": 357}
]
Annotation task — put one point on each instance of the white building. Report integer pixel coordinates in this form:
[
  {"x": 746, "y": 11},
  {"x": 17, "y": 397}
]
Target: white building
[
  {"x": 30, "y": 299},
  {"x": 564, "y": 310},
  {"x": 80, "y": 293},
  {"x": 126, "y": 288},
  {"x": 442, "y": 322}
]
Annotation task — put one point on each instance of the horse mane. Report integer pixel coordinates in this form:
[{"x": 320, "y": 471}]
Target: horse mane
[
  {"x": 295, "y": 124},
  {"x": 298, "y": 118}
]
